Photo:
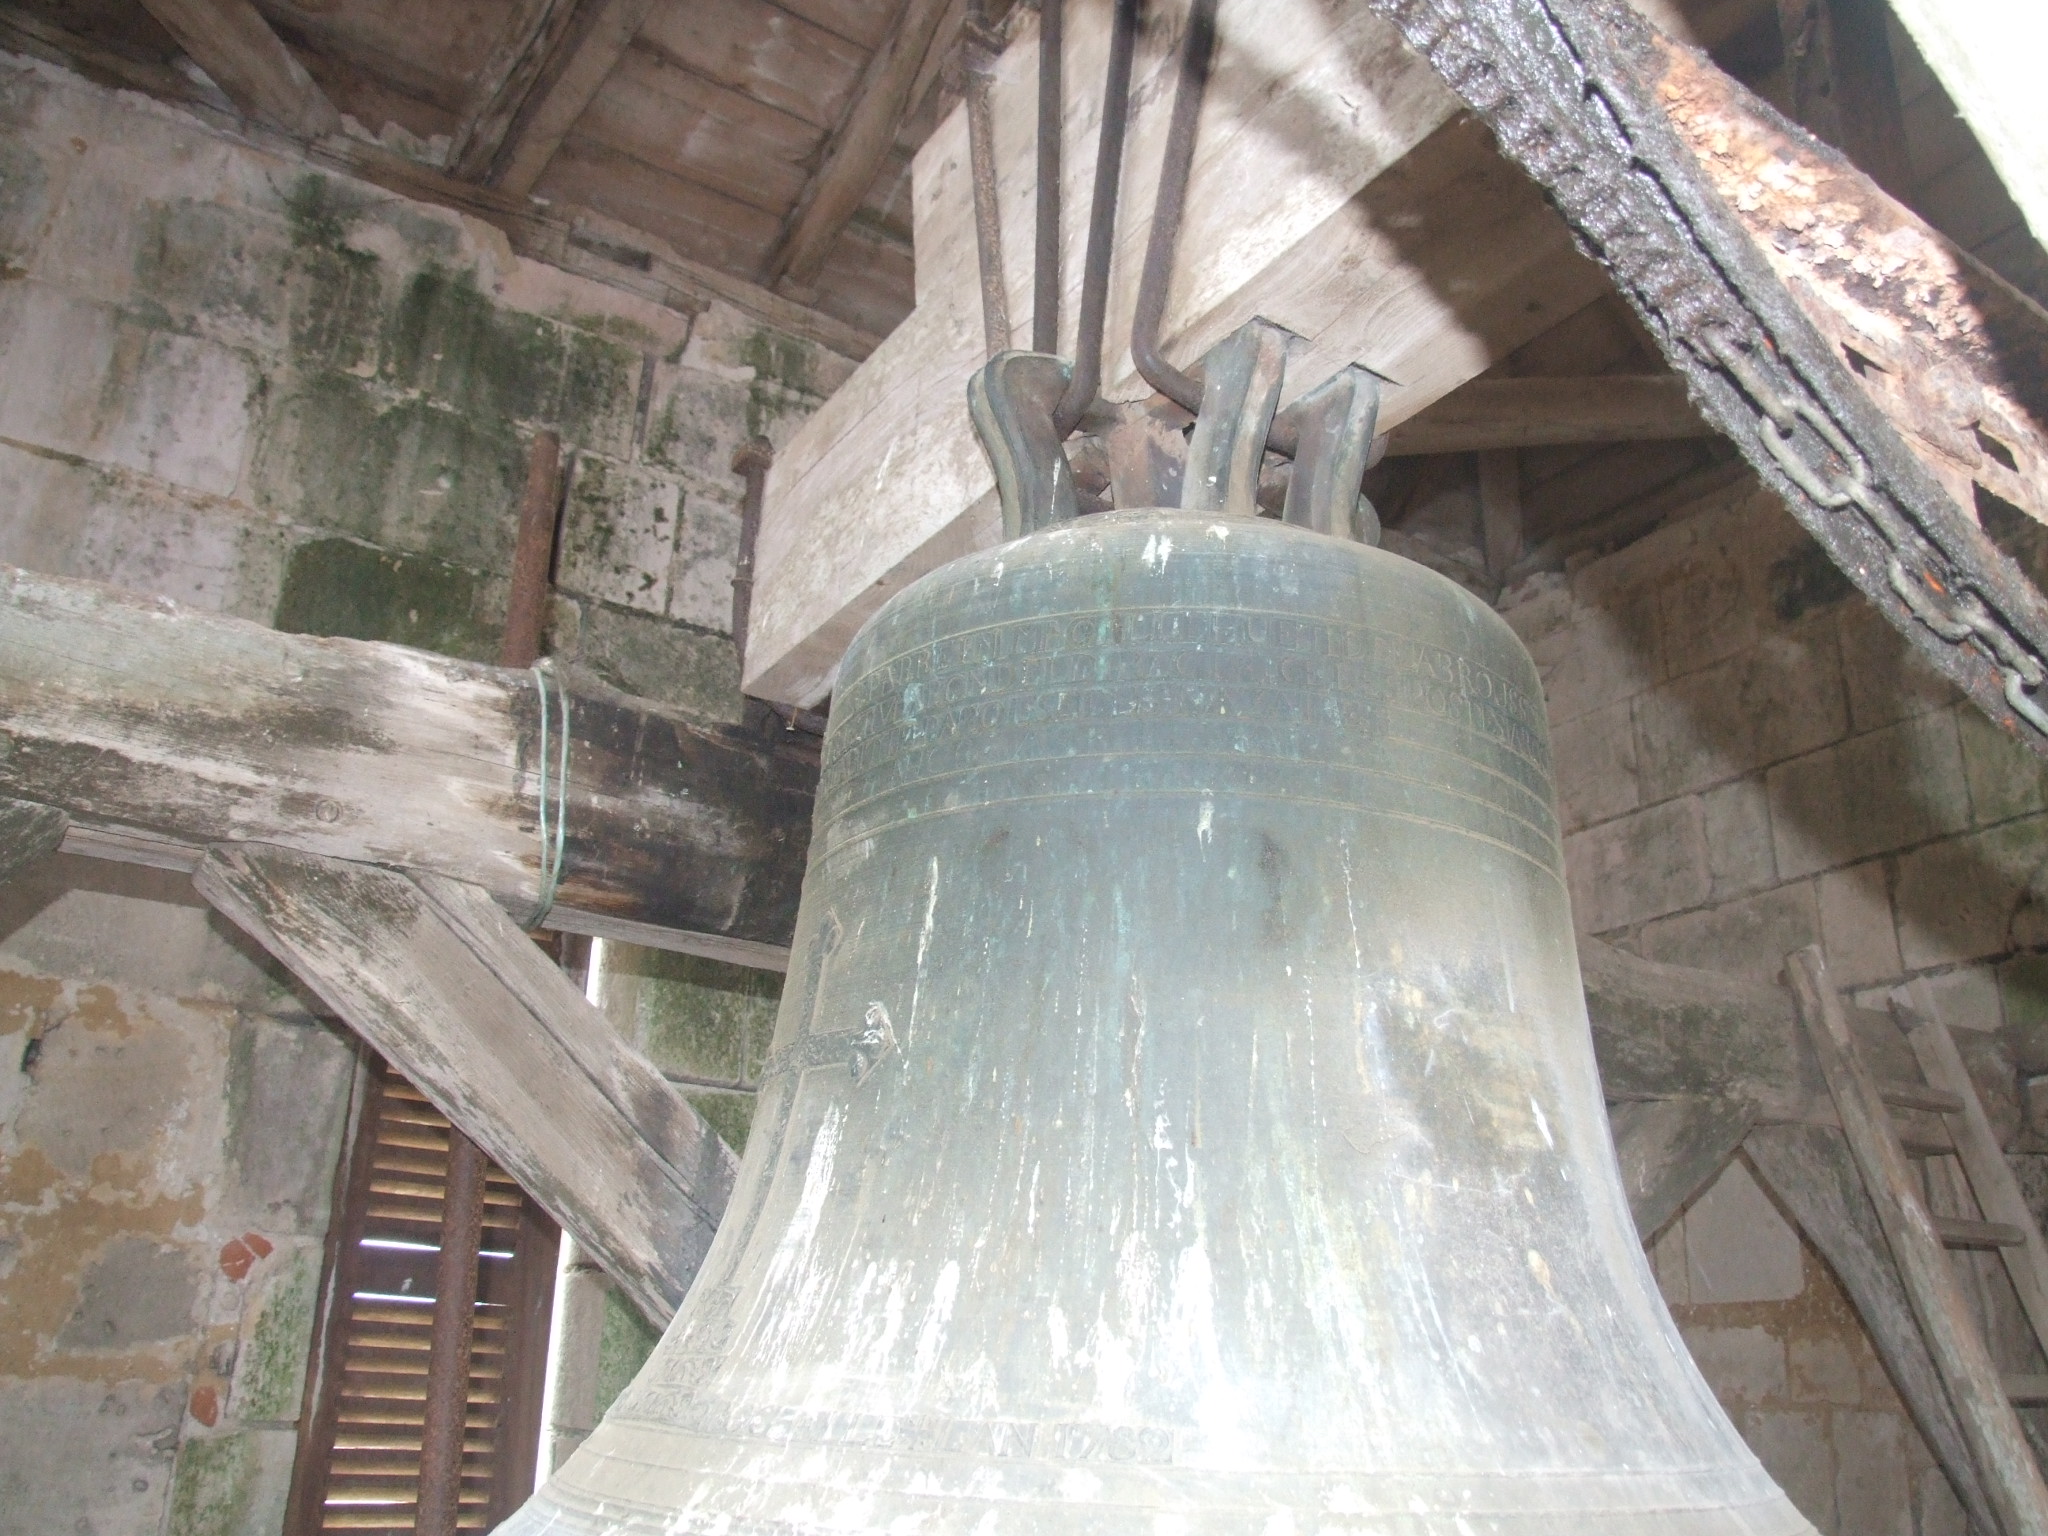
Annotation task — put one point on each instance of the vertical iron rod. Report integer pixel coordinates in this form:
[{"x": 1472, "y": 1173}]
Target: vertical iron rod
[
  {"x": 1045, "y": 274},
  {"x": 977, "y": 58},
  {"x": 750, "y": 461},
  {"x": 1183, "y": 389},
  {"x": 1109, "y": 160},
  {"x": 462, "y": 1198}
]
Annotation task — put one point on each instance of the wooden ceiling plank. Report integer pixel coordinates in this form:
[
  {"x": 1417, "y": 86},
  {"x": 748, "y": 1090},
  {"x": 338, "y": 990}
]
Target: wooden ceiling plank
[
  {"x": 554, "y": 106},
  {"x": 1491, "y": 413},
  {"x": 232, "y": 42},
  {"x": 523, "y": 57},
  {"x": 762, "y": 51},
  {"x": 856, "y": 153},
  {"x": 701, "y": 222}
]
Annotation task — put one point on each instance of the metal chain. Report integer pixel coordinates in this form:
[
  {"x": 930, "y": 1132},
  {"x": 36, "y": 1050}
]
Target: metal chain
[{"x": 1952, "y": 611}]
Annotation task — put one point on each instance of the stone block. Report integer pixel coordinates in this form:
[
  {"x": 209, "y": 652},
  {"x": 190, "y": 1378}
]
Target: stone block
[
  {"x": 1969, "y": 897},
  {"x": 60, "y": 350},
  {"x": 1936, "y": 1506},
  {"x": 233, "y": 1484},
  {"x": 731, "y": 1114},
  {"x": 1750, "y": 937},
  {"x": 1967, "y": 998},
  {"x": 1888, "y": 677},
  {"x": 288, "y": 1093},
  {"x": 1795, "y": 1448},
  {"x": 1886, "y": 789},
  {"x": 86, "y": 1456},
  {"x": 2005, "y": 779},
  {"x": 1781, "y": 698},
  {"x": 184, "y": 412},
  {"x": 216, "y": 271},
  {"x": 359, "y": 592},
  {"x": 1595, "y": 758},
  {"x": 1856, "y": 926},
  {"x": 275, "y": 1339},
  {"x": 2023, "y": 999},
  {"x": 696, "y": 1017},
  {"x": 1821, "y": 1368},
  {"x": 657, "y": 660},
  {"x": 1638, "y": 866},
  {"x": 1707, "y": 611},
  {"x": 1873, "y": 1485},
  {"x": 1538, "y": 605},
  {"x": 619, "y": 535},
  {"x": 1602, "y": 657},
  {"x": 447, "y": 341},
  {"x": 1737, "y": 820},
  {"x": 136, "y": 1291},
  {"x": 1742, "y": 1365},
  {"x": 1737, "y": 1247},
  {"x": 700, "y": 580}
]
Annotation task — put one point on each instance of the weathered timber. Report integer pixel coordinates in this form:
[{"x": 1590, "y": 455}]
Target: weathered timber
[
  {"x": 1399, "y": 239},
  {"x": 1671, "y": 1149},
  {"x": 1953, "y": 355},
  {"x": 516, "y": 66},
  {"x": 164, "y": 726},
  {"x": 1492, "y": 413},
  {"x": 1841, "y": 85},
  {"x": 2010, "y": 1476},
  {"x": 448, "y": 988},
  {"x": 1811, "y": 1173},
  {"x": 598, "y": 40},
  {"x": 231, "y": 41},
  {"x": 854, "y": 155},
  {"x": 28, "y": 832}
]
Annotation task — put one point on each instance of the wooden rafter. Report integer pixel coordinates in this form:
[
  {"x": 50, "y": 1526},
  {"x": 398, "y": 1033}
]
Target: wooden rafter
[
  {"x": 853, "y": 156},
  {"x": 508, "y": 77},
  {"x": 232, "y": 42},
  {"x": 1489, "y": 414},
  {"x": 563, "y": 85}
]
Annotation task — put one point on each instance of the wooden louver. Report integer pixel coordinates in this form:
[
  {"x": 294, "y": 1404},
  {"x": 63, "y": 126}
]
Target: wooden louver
[{"x": 359, "y": 1449}]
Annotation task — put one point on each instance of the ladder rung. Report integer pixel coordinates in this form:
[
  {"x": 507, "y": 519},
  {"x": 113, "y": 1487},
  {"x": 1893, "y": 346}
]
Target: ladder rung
[
  {"x": 1923, "y": 1146},
  {"x": 1920, "y": 1096},
  {"x": 2027, "y": 1389},
  {"x": 1958, "y": 1233}
]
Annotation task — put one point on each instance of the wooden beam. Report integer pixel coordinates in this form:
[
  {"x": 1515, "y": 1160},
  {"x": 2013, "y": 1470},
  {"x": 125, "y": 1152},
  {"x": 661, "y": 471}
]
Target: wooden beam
[
  {"x": 1808, "y": 1169},
  {"x": 1500, "y": 511},
  {"x": 28, "y": 832},
  {"x": 134, "y": 714},
  {"x": 1491, "y": 414},
  {"x": 1998, "y": 1446},
  {"x": 1838, "y": 66},
  {"x": 591, "y": 51},
  {"x": 854, "y": 154},
  {"x": 1671, "y": 1149},
  {"x": 1950, "y": 354},
  {"x": 231, "y": 41},
  {"x": 434, "y": 975},
  {"x": 1336, "y": 190},
  {"x": 522, "y": 58}
]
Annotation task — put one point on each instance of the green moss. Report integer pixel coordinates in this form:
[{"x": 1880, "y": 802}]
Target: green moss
[
  {"x": 600, "y": 390},
  {"x": 270, "y": 1372},
  {"x": 624, "y": 1343},
  {"x": 451, "y": 342},
  {"x": 213, "y": 1486},
  {"x": 705, "y": 1019},
  {"x": 670, "y": 663},
  {"x": 339, "y": 587},
  {"x": 782, "y": 378},
  {"x": 729, "y": 1114},
  {"x": 319, "y": 214}
]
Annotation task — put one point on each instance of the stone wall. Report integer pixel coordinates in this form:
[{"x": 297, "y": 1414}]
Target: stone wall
[
  {"x": 271, "y": 391},
  {"x": 1750, "y": 760},
  {"x": 262, "y": 389}
]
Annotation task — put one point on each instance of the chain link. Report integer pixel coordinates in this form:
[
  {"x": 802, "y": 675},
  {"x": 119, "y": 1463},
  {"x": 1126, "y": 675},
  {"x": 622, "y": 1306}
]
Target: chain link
[{"x": 1961, "y": 619}]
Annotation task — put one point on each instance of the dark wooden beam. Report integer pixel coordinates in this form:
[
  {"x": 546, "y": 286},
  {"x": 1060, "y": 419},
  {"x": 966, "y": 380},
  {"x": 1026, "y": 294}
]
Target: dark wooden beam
[
  {"x": 231, "y": 41},
  {"x": 563, "y": 85},
  {"x": 163, "y": 730},
  {"x": 853, "y": 156},
  {"x": 1838, "y": 68},
  {"x": 1493, "y": 413},
  {"x": 516, "y": 66},
  {"x": 434, "y": 975}
]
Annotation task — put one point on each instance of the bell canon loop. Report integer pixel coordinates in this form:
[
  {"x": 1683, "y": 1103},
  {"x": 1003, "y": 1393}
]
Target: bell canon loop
[{"x": 1182, "y": 1115}]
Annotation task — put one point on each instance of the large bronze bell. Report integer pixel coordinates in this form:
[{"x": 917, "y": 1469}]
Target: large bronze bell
[{"x": 1182, "y": 1116}]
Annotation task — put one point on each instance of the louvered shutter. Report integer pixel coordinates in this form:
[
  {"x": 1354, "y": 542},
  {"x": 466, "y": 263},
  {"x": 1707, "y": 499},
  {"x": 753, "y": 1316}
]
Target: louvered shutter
[{"x": 359, "y": 1450}]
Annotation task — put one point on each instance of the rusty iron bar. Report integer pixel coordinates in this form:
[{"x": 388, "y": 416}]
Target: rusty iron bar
[
  {"x": 462, "y": 1198},
  {"x": 1109, "y": 158},
  {"x": 977, "y": 58},
  {"x": 533, "y": 553},
  {"x": 1045, "y": 269},
  {"x": 751, "y": 462}
]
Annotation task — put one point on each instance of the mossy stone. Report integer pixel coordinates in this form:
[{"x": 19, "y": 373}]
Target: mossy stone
[{"x": 339, "y": 587}]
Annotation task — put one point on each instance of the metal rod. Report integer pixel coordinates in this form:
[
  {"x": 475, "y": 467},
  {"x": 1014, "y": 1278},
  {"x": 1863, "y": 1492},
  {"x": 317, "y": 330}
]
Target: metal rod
[
  {"x": 1109, "y": 159},
  {"x": 533, "y": 553},
  {"x": 448, "y": 1351},
  {"x": 1045, "y": 271},
  {"x": 976, "y": 54},
  {"x": 1183, "y": 389},
  {"x": 751, "y": 461}
]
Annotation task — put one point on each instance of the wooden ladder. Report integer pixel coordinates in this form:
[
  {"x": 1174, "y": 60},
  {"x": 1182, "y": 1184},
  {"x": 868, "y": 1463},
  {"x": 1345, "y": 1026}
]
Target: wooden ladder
[{"x": 1920, "y": 1240}]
